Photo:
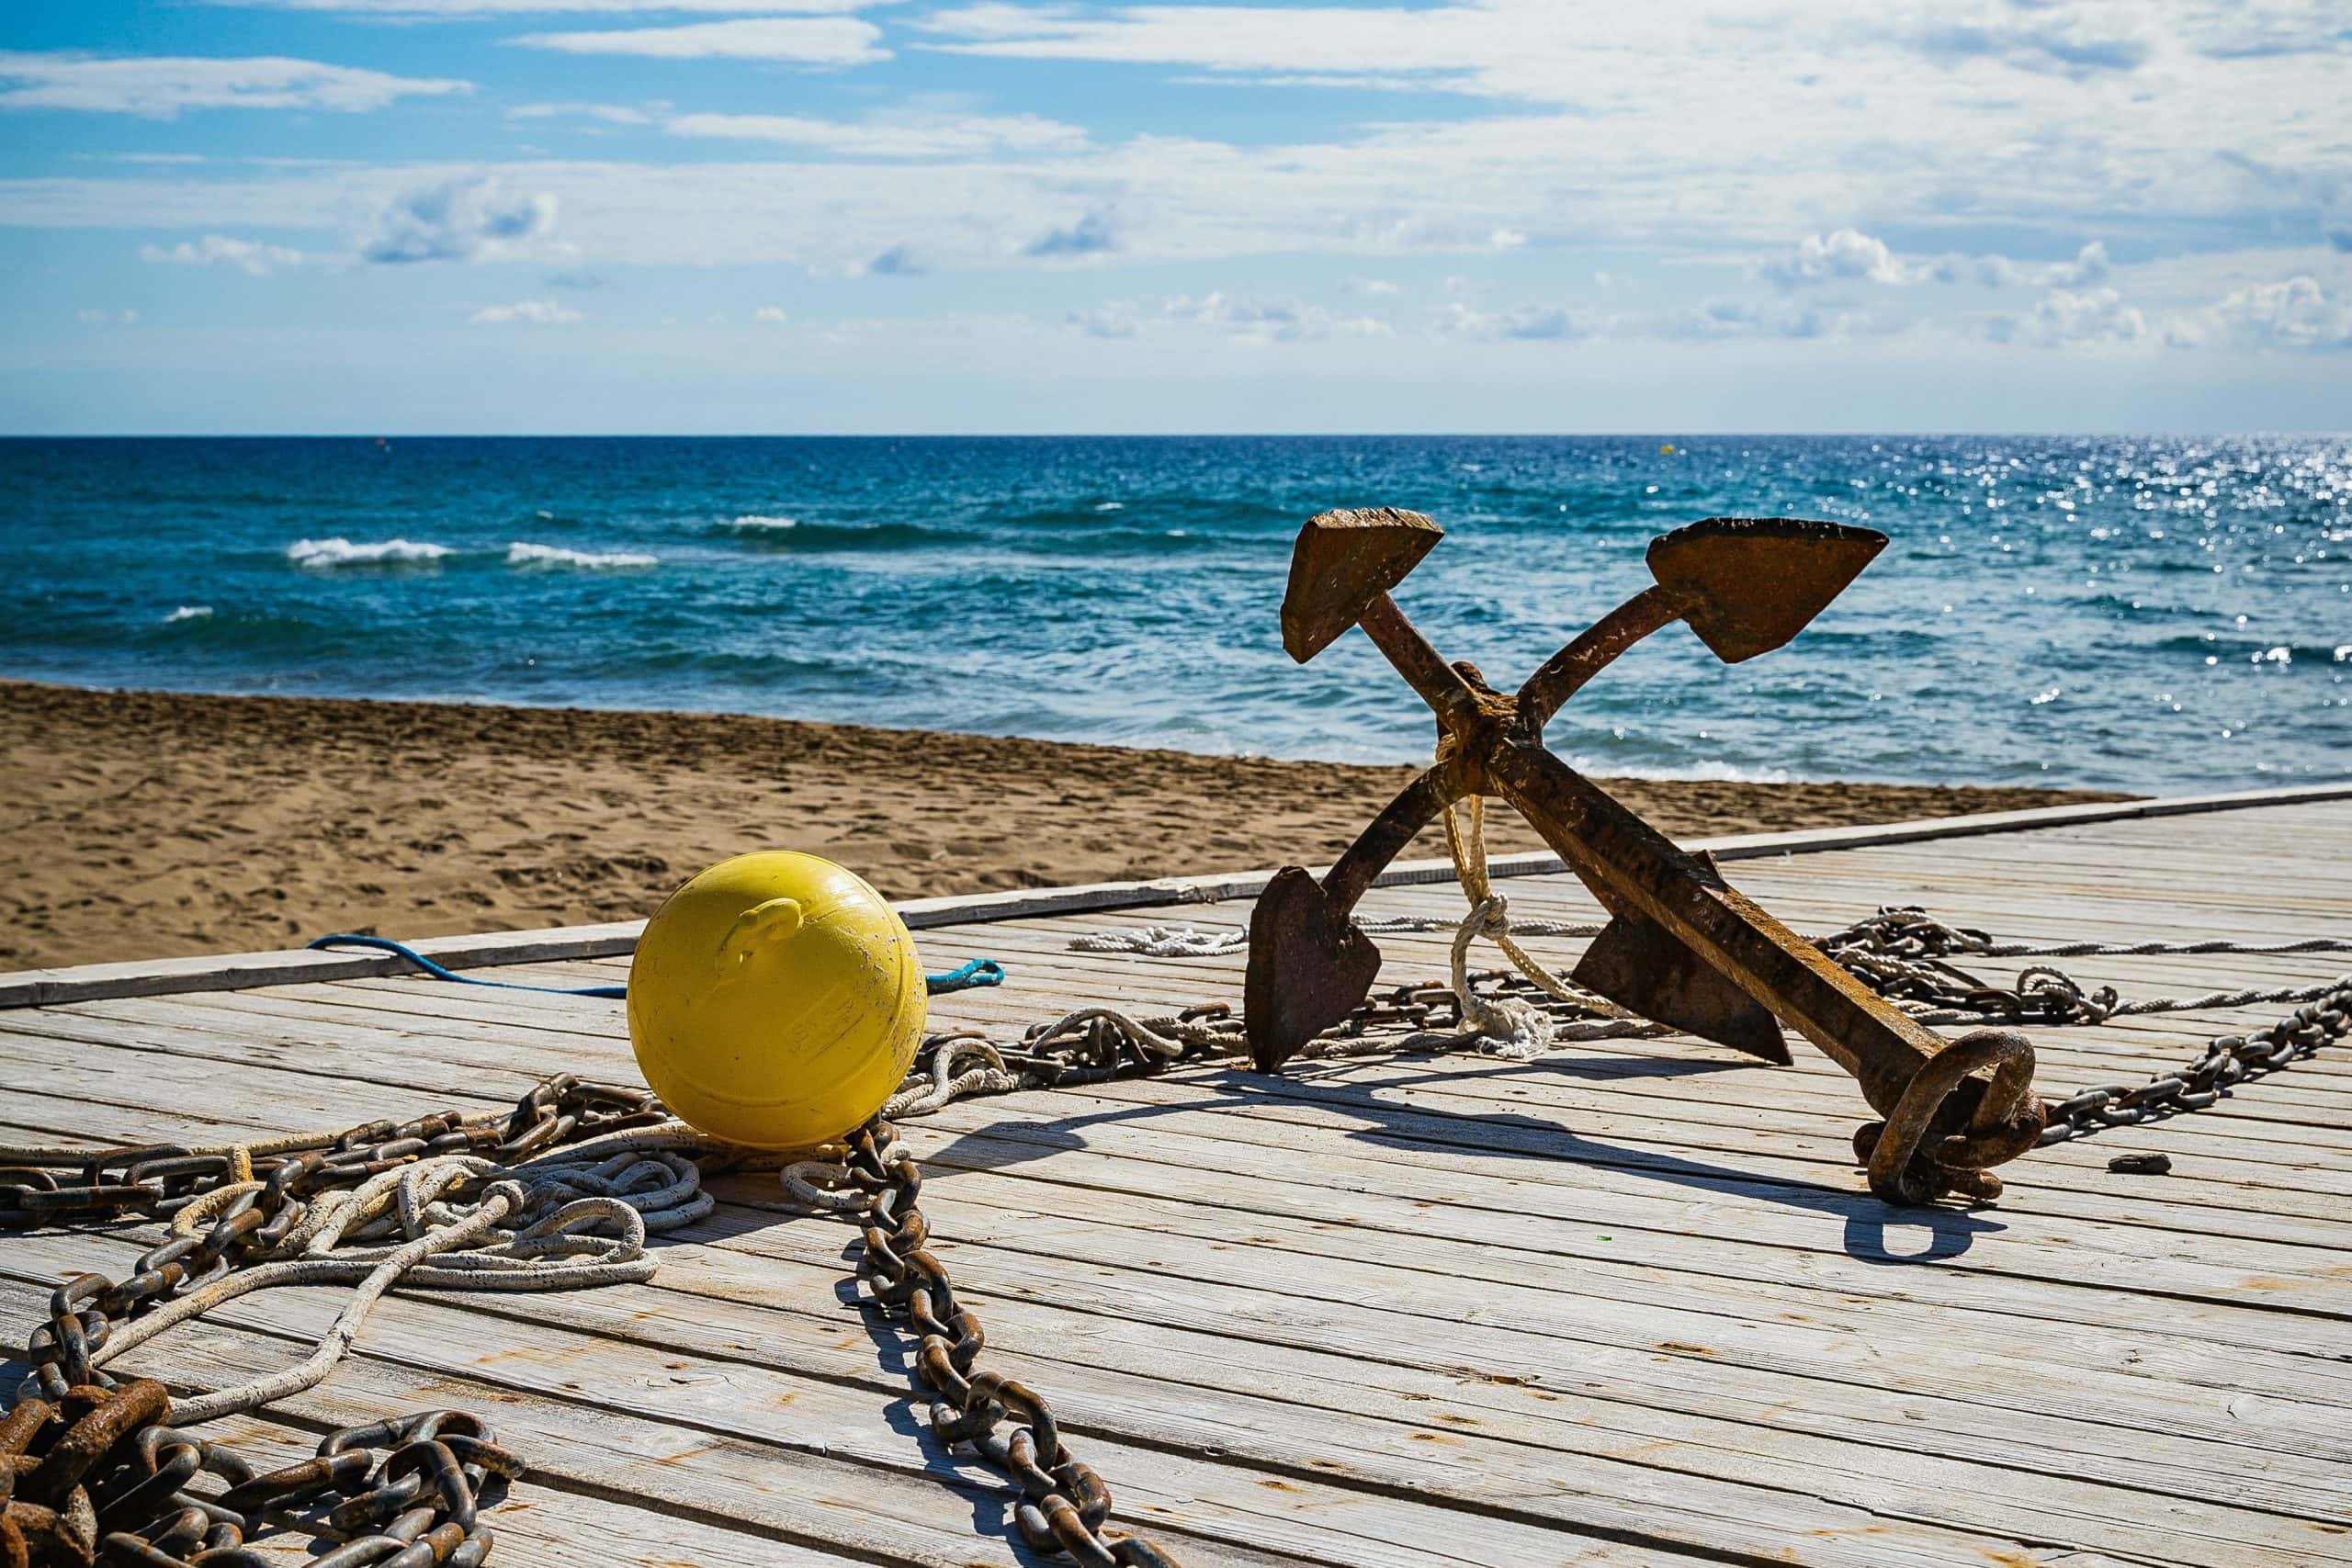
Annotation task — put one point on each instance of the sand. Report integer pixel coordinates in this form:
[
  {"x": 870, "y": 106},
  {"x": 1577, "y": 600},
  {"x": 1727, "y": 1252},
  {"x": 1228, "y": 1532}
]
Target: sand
[{"x": 149, "y": 824}]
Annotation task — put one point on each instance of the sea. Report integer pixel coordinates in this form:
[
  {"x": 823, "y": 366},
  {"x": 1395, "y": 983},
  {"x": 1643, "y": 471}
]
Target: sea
[{"x": 2160, "y": 613}]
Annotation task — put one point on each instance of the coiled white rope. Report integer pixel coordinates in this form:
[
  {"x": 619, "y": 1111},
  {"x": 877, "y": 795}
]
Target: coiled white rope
[{"x": 597, "y": 1200}]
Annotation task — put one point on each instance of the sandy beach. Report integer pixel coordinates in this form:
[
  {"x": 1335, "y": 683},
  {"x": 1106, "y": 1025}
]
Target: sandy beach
[{"x": 144, "y": 824}]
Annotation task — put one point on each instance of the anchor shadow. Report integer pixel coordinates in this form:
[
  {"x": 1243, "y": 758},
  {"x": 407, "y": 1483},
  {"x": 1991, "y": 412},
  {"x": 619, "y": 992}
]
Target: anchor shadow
[{"x": 1870, "y": 1229}]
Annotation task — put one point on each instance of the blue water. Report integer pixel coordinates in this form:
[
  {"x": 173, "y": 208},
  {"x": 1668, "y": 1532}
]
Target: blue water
[{"x": 2142, "y": 614}]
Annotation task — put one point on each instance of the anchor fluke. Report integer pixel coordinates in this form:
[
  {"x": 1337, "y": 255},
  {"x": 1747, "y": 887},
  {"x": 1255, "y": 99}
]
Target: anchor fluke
[
  {"x": 1309, "y": 967},
  {"x": 1640, "y": 964},
  {"x": 1342, "y": 562},
  {"x": 1748, "y": 585}
]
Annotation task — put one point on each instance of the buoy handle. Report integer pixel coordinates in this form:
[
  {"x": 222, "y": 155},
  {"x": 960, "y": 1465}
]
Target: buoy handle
[{"x": 761, "y": 925}]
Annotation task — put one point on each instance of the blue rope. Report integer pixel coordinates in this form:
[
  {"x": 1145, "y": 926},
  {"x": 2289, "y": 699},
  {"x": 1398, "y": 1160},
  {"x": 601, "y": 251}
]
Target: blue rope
[{"x": 978, "y": 972}]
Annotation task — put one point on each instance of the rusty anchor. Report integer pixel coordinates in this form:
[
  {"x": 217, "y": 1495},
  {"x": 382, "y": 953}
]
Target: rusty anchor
[{"x": 1682, "y": 946}]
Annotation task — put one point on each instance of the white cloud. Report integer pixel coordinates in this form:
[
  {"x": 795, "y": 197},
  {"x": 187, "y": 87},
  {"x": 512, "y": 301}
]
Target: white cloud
[
  {"x": 1542, "y": 50},
  {"x": 2296, "y": 313},
  {"x": 462, "y": 218},
  {"x": 1845, "y": 255},
  {"x": 1709, "y": 320},
  {"x": 2064, "y": 317},
  {"x": 2090, "y": 266},
  {"x": 1372, "y": 288},
  {"x": 1526, "y": 322},
  {"x": 1243, "y": 321},
  {"x": 966, "y": 136},
  {"x": 250, "y": 257},
  {"x": 1722, "y": 162},
  {"x": 532, "y": 312},
  {"x": 772, "y": 314},
  {"x": 611, "y": 114},
  {"x": 99, "y": 318},
  {"x": 1848, "y": 255},
  {"x": 1258, "y": 320},
  {"x": 804, "y": 41},
  {"x": 161, "y": 86}
]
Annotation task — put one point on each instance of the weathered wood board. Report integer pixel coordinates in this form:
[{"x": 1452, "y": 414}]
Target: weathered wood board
[{"x": 1625, "y": 1303}]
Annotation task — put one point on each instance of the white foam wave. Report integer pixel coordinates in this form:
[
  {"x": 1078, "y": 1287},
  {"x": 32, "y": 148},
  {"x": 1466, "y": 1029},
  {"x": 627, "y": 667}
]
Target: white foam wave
[
  {"x": 188, "y": 613},
  {"x": 1712, "y": 771},
  {"x": 551, "y": 556},
  {"x": 758, "y": 520},
  {"x": 325, "y": 553},
  {"x": 1110, "y": 506}
]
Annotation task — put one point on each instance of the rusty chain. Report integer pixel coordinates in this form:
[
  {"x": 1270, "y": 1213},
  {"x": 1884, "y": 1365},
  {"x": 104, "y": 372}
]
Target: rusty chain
[
  {"x": 2227, "y": 1061},
  {"x": 1904, "y": 953},
  {"x": 1064, "y": 1503},
  {"x": 100, "y": 1475}
]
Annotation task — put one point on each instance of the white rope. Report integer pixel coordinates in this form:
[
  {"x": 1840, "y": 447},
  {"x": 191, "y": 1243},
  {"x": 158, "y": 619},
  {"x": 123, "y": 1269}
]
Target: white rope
[
  {"x": 990, "y": 1077},
  {"x": 1191, "y": 941},
  {"x": 596, "y": 1202},
  {"x": 1163, "y": 941}
]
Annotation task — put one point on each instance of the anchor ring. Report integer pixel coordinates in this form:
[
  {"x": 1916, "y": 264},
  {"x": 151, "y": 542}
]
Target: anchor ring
[{"x": 2007, "y": 1121}]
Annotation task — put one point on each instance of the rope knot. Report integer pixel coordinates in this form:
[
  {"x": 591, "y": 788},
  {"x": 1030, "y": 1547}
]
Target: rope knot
[{"x": 1515, "y": 1030}]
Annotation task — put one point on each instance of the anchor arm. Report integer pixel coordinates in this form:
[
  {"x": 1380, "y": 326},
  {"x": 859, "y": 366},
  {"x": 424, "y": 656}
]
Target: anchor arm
[
  {"x": 1413, "y": 809},
  {"x": 1565, "y": 671}
]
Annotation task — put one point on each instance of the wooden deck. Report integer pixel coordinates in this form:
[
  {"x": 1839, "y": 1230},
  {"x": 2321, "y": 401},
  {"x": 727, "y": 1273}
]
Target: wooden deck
[{"x": 1627, "y": 1304}]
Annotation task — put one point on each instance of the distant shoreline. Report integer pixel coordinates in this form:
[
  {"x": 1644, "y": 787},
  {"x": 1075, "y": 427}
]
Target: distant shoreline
[{"x": 150, "y": 824}]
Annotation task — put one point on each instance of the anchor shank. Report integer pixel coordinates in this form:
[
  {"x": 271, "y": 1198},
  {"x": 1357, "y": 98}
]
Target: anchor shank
[
  {"x": 1629, "y": 865},
  {"x": 1423, "y": 667},
  {"x": 1565, "y": 671}
]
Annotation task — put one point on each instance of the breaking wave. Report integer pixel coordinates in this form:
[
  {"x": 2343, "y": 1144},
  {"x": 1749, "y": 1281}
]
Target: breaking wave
[
  {"x": 549, "y": 557},
  {"x": 326, "y": 554}
]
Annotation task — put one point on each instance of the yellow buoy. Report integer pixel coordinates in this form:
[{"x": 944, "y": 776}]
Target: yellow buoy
[{"x": 776, "y": 1000}]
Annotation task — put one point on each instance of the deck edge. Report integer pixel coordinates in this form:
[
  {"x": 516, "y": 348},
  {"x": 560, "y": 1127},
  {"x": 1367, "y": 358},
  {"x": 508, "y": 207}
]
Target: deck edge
[{"x": 226, "y": 971}]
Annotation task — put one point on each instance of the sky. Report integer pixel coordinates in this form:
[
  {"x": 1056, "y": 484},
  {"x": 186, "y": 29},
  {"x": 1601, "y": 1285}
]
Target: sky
[{"x": 729, "y": 215}]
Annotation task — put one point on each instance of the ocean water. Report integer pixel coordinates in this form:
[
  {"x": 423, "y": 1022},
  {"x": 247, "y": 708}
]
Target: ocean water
[{"x": 2151, "y": 614}]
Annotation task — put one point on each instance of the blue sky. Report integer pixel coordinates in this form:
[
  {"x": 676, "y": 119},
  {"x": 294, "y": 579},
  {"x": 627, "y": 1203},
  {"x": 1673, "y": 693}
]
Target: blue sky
[{"x": 940, "y": 215}]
